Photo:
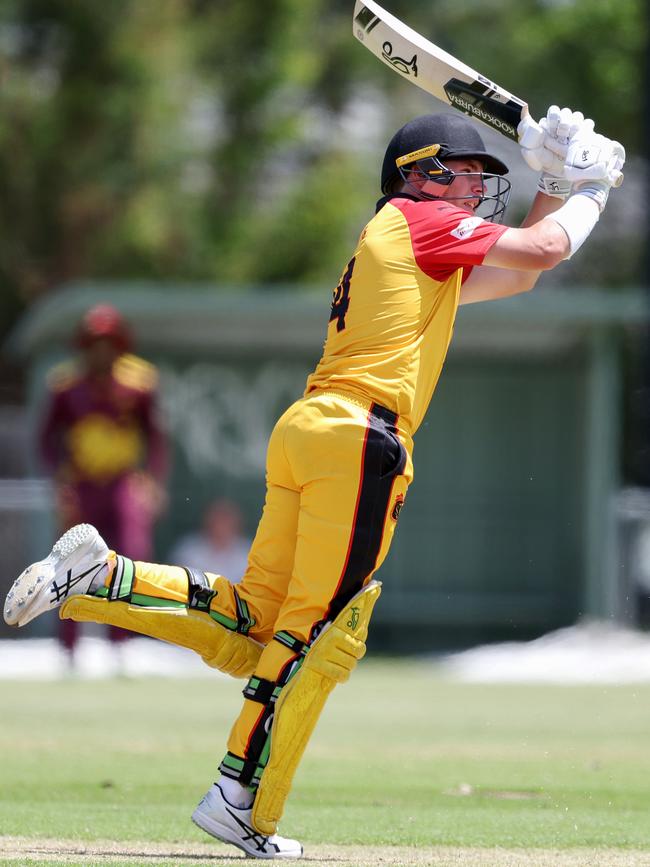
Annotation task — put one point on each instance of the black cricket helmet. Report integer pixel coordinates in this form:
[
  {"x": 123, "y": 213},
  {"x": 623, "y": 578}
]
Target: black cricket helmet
[{"x": 419, "y": 150}]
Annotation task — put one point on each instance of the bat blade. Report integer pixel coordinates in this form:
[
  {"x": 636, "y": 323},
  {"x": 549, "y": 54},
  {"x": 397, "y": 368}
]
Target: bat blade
[{"x": 436, "y": 71}]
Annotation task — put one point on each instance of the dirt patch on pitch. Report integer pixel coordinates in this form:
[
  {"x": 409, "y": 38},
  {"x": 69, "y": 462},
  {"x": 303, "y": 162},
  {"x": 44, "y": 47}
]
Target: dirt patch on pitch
[{"x": 21, "y": 850}]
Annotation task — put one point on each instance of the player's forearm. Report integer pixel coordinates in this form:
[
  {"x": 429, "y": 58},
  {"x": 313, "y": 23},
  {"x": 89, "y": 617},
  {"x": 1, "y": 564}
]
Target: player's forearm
[
  {"x": 541, "y": 207},
  {"x": 490, "y": 284}
]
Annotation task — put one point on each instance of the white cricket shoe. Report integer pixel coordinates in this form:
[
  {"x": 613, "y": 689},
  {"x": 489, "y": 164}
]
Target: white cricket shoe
[
  {"x": 233, "y": 825},
  {"x": 70, "y": 568}
]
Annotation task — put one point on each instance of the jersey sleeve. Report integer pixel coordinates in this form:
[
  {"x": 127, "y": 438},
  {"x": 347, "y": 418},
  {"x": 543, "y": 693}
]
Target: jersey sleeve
[{"x": 446, "y": 238}]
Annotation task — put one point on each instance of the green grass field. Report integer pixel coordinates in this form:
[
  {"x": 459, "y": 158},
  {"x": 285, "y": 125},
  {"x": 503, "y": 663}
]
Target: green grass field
[{"x": 405, "y": 768}]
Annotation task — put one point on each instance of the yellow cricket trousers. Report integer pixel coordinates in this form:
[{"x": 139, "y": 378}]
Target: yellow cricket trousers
[{"x": 337, "y": 472}]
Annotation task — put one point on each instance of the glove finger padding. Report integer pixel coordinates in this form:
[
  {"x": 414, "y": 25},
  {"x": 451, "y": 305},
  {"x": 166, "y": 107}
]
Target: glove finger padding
[
  {"x": 544, "y": 145},
  {"x": 561, "y": 130},
  {"x": 552, "y": 119},
  {"x": 577, "y": 123},
  {"x": 534, "y": 140},
  {"x": 615, "y": 169},
  {"x": 531, "y": 140},
  {"x": 569, "y": 123}
]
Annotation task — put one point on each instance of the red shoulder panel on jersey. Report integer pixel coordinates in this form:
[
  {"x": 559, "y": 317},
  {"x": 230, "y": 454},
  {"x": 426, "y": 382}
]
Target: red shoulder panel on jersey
[{"x": 445, "y": 237}]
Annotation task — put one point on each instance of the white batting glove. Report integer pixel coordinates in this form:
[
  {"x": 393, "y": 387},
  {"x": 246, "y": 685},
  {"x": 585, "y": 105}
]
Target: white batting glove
[
  {"x": 594, "y": 163},
  {"x": 544, "y": 146},
  {"x": 561, "y": 126},
  {"x": 594, "y": 157},
  {"x": 531, "y": 141}
]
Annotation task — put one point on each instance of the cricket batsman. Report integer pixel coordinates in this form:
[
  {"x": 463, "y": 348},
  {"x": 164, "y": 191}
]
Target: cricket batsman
[{"x": 339, "y": 460}]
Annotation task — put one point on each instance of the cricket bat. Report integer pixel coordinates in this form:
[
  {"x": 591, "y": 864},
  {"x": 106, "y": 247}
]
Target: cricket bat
[{"x": 436, "y": 71}]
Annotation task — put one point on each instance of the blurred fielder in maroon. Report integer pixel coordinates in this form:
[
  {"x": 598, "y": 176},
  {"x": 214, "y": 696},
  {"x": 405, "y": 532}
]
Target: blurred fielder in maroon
[{"x": 101, "y": 442}]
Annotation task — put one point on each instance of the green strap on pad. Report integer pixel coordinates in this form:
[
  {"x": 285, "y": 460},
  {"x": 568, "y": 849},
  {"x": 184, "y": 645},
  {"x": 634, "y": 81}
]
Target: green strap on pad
[{"x": 261, "y": 690}]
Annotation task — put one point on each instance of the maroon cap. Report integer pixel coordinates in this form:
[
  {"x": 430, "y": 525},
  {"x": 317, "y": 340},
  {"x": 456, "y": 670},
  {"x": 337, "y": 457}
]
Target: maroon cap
[{"x": 103, "y": 322}]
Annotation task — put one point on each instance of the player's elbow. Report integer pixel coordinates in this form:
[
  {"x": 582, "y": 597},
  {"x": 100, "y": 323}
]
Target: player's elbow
[
  {"x": 552, "y": 251},
  {"x": 549, "y": 259},
  {"x": 551, "y": 245},
  {"x": 546, "y": 245}
]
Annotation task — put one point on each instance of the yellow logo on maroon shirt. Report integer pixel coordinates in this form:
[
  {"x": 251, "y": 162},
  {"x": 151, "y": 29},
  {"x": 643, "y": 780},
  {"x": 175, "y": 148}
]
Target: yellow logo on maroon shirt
[{"x": 101, "y": 449}]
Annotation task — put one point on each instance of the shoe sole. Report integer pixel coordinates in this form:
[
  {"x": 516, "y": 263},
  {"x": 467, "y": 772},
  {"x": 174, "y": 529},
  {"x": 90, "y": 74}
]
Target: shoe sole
[
  {"x": 29, "y": 593},
  {"x": 221, "y": 832},
  {"x": 226, "y": 835}
]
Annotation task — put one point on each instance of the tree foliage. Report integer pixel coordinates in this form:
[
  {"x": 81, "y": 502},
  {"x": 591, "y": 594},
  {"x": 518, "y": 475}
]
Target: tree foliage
[
  {"x": 588, "y": 54},
  {"x": 198, "y": 140}
]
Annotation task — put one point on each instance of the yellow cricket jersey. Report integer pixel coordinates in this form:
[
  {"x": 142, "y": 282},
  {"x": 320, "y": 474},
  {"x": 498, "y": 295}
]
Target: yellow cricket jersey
[{"x": 393, "y": 311}]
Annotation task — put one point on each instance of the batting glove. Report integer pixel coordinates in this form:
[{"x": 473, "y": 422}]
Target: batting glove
[
  {"x": 544, "y": 147},
  {"x": 594, "y": 157},
  {"x": 594, "y": 164}
]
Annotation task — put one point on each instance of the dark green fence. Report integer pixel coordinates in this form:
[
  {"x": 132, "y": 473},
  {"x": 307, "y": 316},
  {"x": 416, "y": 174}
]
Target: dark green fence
[{"x": 505, "y": 532}]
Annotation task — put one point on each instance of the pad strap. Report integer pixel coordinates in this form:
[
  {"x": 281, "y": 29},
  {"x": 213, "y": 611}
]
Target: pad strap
[
  {"x": 121, "y": 583},
  {"x": 261, "y": 690},
  {"x": 244, "y": 618},
  {"x": 292, "y": 643},
  {"x": 242, "y": 770},
  {"x": 200, "y": 595},
  {"x": 199, "y": 592}
]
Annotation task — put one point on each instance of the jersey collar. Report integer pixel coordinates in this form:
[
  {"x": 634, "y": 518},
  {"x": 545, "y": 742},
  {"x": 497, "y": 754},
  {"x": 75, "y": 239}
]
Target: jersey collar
[{"x": 385, "y": 199}]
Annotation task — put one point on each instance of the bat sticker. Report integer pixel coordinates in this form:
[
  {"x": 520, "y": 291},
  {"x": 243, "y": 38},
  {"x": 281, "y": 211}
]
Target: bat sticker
[
  {"x": 404, "y": 66},
  {"x": 366, "y": 20},
  {"x": 476, "y": 100}
]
